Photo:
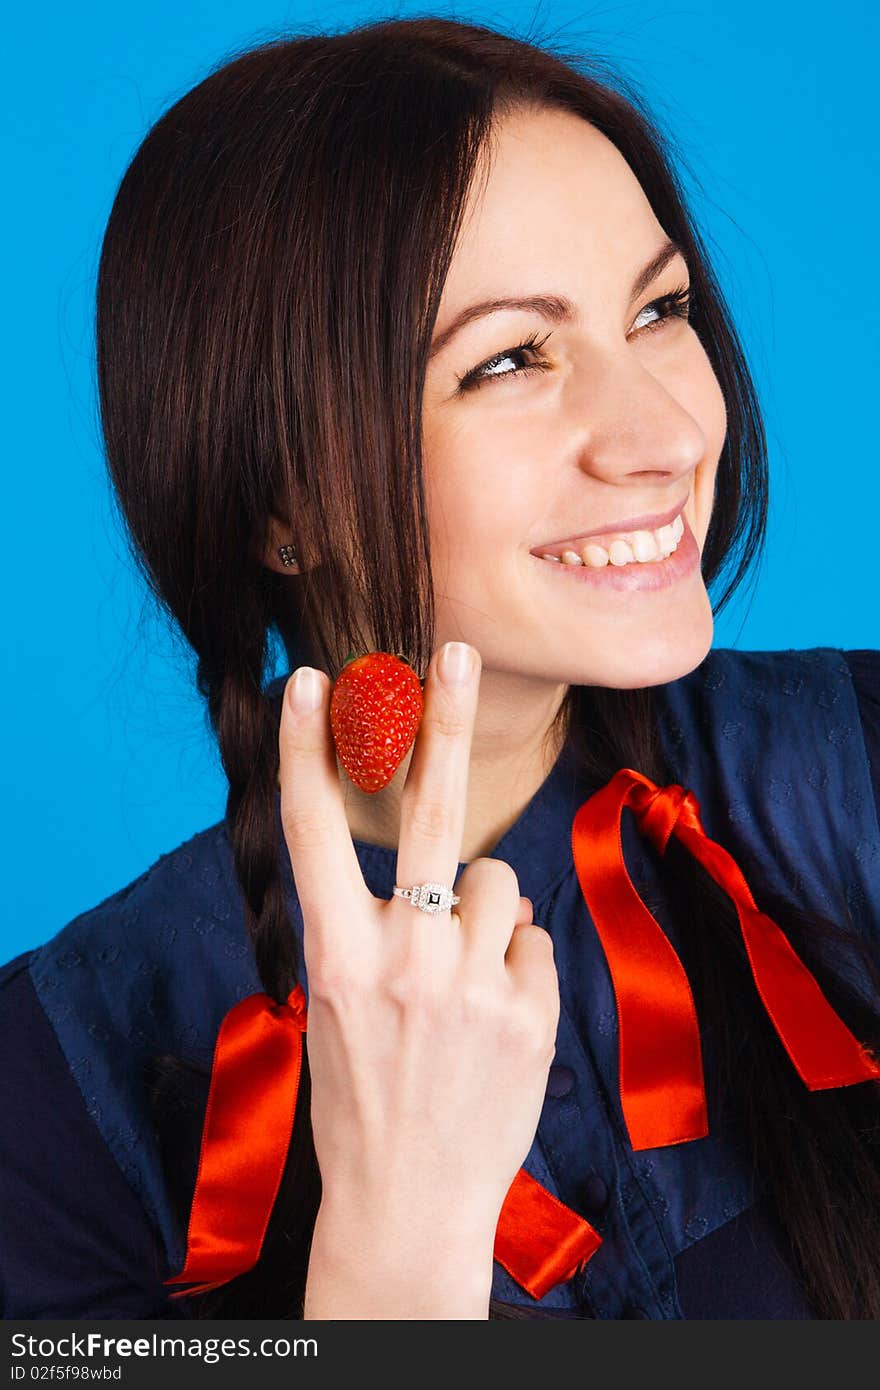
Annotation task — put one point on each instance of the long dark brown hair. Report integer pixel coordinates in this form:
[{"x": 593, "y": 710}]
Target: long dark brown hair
[{"x": 268, "y": 283}]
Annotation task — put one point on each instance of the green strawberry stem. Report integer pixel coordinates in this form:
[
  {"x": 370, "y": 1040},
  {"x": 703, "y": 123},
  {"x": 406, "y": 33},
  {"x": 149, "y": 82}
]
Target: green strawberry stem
[{"x": 401, "y": 656}]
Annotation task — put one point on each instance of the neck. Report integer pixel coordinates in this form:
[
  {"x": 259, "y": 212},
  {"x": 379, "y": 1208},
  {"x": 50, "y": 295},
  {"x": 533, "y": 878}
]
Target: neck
[{"x": 512, "y": 754}]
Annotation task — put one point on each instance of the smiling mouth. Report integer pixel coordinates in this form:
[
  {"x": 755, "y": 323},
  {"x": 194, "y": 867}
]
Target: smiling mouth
[
  {"x": 617, "y": 547},
  {"x": 624, "y": 577}
]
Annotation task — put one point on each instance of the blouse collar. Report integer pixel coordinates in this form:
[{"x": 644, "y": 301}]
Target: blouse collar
[{"x": 537, "y": 846}]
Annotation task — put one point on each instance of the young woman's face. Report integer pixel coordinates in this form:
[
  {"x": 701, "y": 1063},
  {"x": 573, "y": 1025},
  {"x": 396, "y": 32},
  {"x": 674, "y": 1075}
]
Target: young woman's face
[{"x": 625, "y": 420}]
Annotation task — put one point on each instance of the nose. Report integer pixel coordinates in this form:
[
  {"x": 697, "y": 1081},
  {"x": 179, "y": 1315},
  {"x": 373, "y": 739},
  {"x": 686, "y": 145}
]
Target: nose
[{"x": 633, "y": 429}]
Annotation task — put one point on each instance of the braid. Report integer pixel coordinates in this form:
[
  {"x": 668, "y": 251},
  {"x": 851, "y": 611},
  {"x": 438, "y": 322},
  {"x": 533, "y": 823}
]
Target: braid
[
  {"x": 246, "y": 729},
  {"x": 245, "y": 723}
]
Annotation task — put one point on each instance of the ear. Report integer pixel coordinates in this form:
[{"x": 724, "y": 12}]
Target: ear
[{"x": 279, "y": 535}]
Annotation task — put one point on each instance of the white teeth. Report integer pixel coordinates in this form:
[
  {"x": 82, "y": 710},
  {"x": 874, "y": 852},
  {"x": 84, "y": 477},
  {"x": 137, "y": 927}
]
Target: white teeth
[
  {"x": 596, "y": 556},
  {"x": 642, "y": 548},
  {"x": 619, "y": 553},
  {"x": 645, "y": 546}
]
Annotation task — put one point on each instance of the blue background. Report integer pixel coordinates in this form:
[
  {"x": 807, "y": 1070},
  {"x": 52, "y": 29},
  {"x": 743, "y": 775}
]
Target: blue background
[{"x": 108, "y": 762}]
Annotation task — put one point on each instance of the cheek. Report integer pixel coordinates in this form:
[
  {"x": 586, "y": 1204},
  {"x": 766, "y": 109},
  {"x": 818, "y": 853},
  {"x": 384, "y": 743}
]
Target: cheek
[
  {"x": 479, "y": 492},
  {"x": 475, "y": 523}
]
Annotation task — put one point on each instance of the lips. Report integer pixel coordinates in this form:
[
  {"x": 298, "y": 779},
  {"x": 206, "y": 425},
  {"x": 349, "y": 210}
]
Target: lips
[
  {"x": 605, "y": 536},
  {"x": 631, "y": 579}
]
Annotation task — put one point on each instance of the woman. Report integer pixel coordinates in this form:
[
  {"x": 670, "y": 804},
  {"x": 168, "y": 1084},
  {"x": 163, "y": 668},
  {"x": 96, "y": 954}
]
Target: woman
[{"x": 321, "y": 422}]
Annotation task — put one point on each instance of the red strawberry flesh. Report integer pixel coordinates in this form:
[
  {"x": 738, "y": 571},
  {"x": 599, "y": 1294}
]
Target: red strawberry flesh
[{"x": 375, "y": 710}]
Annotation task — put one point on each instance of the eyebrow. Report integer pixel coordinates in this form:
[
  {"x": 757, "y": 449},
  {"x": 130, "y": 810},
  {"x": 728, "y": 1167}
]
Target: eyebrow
[{"x": 556, "y": 308}]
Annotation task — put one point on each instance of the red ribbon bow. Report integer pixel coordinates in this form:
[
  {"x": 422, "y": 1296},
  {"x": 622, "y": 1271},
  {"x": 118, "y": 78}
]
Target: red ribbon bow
[
  {"x": 661, "y": 1073},
  {"x": 539, "y": 1241}
]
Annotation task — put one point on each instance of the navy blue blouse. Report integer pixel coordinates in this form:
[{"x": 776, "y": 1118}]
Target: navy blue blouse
[{"x": 79, "y": 1234}]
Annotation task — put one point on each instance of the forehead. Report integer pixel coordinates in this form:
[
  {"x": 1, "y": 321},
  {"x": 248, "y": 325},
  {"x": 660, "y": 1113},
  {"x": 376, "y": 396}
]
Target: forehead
[{"x": 554, "y": 200}]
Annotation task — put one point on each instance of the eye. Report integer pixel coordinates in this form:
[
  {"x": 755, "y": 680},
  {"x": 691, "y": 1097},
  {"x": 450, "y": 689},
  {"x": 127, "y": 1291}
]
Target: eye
[
  {"x": 478, "y": 375},
  {"x": 676, "y": 304}
]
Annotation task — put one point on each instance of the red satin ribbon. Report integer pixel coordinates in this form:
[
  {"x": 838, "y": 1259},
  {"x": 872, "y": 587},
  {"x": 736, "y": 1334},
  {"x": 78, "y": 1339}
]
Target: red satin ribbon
[
  {"x": 661, "y": 1074},
  {"x": 540, "y": 1241},
  {"x": 245, "y": 1139}
]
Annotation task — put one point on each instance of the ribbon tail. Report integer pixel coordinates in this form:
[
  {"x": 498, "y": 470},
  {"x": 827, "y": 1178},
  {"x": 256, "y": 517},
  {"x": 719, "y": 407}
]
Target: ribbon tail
[
  {"x": 245, "y": 1138},
  {"x": 822, "y": 1049},
  {"x": 540, "y": 1241},
  {"x": 662, "y": 1090}
]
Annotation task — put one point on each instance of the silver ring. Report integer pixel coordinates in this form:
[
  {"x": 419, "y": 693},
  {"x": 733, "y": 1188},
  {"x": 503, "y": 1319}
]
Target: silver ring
[{"x": 428, "y": 897}]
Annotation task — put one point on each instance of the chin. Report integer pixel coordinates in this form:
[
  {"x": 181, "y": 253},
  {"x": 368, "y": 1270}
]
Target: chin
[
  {"x": 662, "y": 660},
  {"x": 651, "y": 654}
]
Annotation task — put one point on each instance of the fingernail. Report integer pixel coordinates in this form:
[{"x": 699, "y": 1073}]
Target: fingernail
[
  {"x": 456, "y": 663},
  {"x": 305, "y": 690}
]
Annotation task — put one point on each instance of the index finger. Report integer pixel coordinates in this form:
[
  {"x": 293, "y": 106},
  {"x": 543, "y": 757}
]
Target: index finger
[{"x": 326, "y": 870}]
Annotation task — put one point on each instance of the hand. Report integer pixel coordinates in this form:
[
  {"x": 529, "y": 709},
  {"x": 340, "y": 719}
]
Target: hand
[{"x": 430, "y": 1036}]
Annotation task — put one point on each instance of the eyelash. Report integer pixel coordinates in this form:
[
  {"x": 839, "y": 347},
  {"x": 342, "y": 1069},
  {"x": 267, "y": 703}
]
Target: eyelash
[{"x": 677, "y": 304}]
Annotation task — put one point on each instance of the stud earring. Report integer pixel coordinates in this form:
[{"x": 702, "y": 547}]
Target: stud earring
[{"x": 287, "y": 555}]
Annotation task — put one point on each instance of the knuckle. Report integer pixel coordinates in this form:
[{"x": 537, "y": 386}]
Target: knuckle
[
  {"x": 533, "y": 1016},
  {"x": 305, "y": 826},
  {"x": 448, "y": 720},
  {"x": 503, "y": 874},
  {"x": 544, "y": 1012},
  {"x": 532, "y": 932},
  {"x": 432, "y": 820},
  {"x": 526, "y": 1030},
  {"x": 412, "y": 991},
  {"x": 298, "y": 740},
  {"x": 481, "y": 1007},
  {"x": 477, "y": 1001}
]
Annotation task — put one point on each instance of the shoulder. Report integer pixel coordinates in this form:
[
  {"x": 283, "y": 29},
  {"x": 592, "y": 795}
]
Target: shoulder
[
  {"x": 843, "y": 686},
  {"x": 790, "y": 670},
  {"x": 74, "y": 1240},
  {"x": 773, "y": 744},
  {"x": 821, "y": 688},
  {"x": 178, "y": 884},
  {"x": 151, "y": 969},
  {"x": 159, "y": 960}
]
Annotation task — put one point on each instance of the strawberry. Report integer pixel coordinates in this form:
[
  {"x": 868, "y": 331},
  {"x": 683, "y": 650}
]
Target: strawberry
[{"x": 375, "y": 710}]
